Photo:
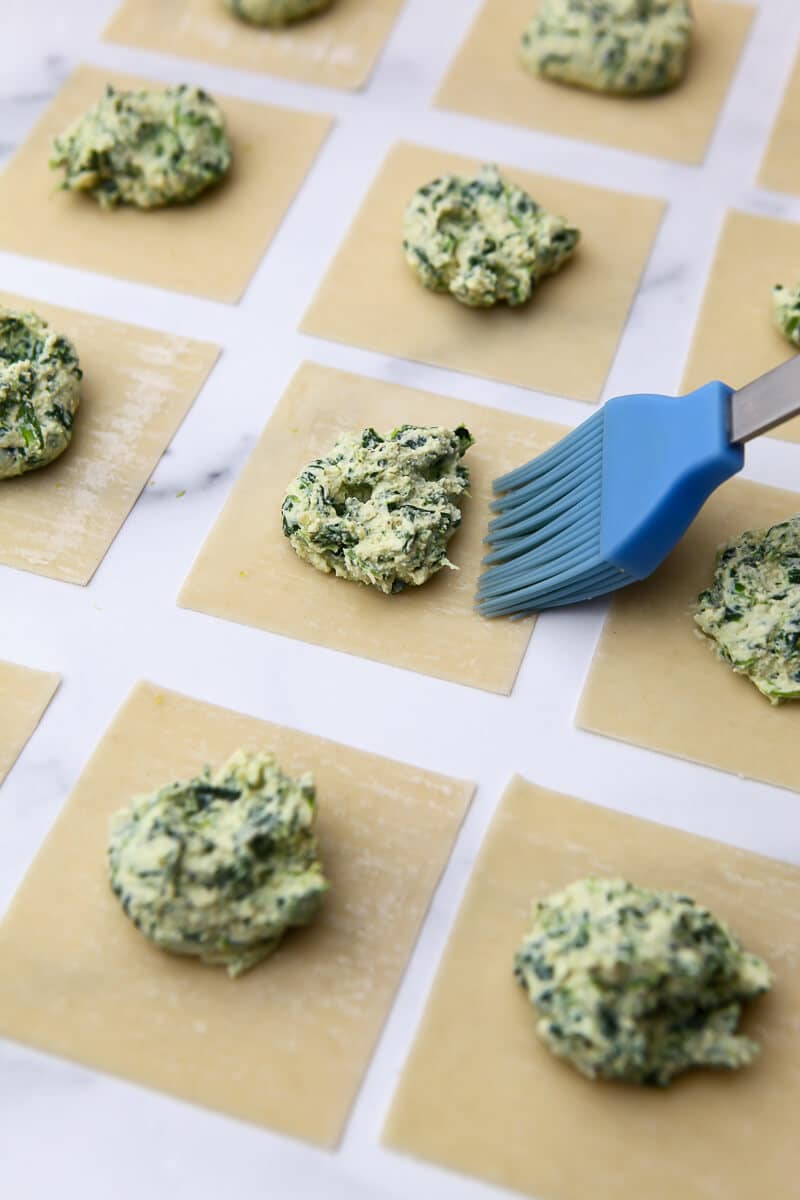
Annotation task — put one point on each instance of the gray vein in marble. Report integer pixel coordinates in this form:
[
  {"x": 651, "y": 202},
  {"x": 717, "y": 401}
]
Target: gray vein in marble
[
  {"x": 665, "y": 278},
  {"x": 201, "y": 479},
  {"x": 21, "y": 106}
]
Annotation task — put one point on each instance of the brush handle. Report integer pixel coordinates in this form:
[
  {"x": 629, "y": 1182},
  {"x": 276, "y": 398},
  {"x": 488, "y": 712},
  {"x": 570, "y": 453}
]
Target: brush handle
[{"x": 765, "y": 402}]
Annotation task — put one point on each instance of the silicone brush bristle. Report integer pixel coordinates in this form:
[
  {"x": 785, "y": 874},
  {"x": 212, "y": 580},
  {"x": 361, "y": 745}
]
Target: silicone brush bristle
[
  {"x": 606, "y": 505},
  {"x": 545, "y": 539}
]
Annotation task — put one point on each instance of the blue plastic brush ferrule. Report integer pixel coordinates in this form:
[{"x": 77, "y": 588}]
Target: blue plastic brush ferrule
[{"x": 662, "y": 458}]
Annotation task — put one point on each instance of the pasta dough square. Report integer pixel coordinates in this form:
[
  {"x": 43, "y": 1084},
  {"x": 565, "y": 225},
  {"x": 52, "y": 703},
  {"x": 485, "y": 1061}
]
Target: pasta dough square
[
  {"x": 208, "y": 248},
  {"x": 483, "y": 1095},
  {"x": 137, "y": 387},
  {"x": 285, "y": 1045},
  {"x": 562, "y": 341},
  {"x": 337, "y": 49},
  {"x": 24, "y": 696},
  {"x": 780, "y": 169},
  {"x": 488, "y": 80},
  {"x": 655, "y": 680},
  {"x": 247, "y": 571},
  {"x": 736, "y": 338}
]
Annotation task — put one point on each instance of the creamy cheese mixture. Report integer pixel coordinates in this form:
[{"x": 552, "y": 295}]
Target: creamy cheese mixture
[
  {"x": 275, "y": 12},
  {"x": 786, "y": 308},
  {"x": 39, "y": 392},
  {"x": 626, "y": 46},
  {"x": 635, "y": 984},
  {"x": 380, "y": 510},
  {"x": 751, "y": 612},
  {"x": 483, "y": 240},
  {"x": 145, "y": 148},
  {"x": 220, "y": 866}
]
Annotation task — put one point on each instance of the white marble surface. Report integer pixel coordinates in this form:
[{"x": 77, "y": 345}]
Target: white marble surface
[{"x": 65, "y": 1130}]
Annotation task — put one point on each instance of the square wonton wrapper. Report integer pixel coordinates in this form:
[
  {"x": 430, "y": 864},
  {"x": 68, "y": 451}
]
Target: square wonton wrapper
[
  {"x": 563, "y": 340},
  {"x": 482, "y": 1094},
  {"x": 247, "y": 571},
  {"x": 24, "y": 696},
  {"x": 736, "y": 338},
  {"x": 780, "y": 169},
  {"x": 338, "y": 48},
  {"x": 655, "y": 680},
  {"x": 285, "y": 1045},
  {"x": 488, "y": 80},
  {"x": 136, "y": 389},
  {"x": 210, "y": 247}
]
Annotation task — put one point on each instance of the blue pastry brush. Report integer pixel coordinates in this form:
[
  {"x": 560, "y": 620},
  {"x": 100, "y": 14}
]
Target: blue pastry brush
[{"x": 604, "y": 506}]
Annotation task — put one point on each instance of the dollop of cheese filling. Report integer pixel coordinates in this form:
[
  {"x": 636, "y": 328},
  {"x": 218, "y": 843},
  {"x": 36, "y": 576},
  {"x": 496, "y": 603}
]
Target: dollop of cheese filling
[
  {"x": 751, "y": 612},
  {"x": 39, "y": 392},
  {"x": 275, "y": 12},
  {"x": 145, "y": 148},
  {"x": 380, "y": 510},
  {"x": 221, "y": 866},
  {"x": 786, "y": 311},
  {"x": 624, "y": 46},
  {"x": 635, "y": 984},
  {"x": 483, "y": 240}
]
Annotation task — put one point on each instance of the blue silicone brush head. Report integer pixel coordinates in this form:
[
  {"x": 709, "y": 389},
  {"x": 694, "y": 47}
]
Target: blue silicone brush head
[{"x": 604, "y": 506}]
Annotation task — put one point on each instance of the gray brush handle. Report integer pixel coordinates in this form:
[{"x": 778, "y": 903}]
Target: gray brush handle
[{"x": 766, "y": 402}]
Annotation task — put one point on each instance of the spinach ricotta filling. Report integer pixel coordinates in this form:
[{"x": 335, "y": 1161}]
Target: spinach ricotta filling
[
  {"x": 145, "y": 148},
  {"x": 380, "y": 510},
  {"x": 483, "y": 240},
  {"x": 751, "y": 612},
  {"x": 39, "y": 392},
  {"x": 220, "y": 866},
  {"x": 275, "y": 12},
  {"x": 635, "y": 984},
  {"x": 624, "y": 46},
  {"x": 786, "y": 309}
]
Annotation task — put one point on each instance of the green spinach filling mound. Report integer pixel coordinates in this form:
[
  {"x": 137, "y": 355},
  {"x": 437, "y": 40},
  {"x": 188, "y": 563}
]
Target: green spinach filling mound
[
  {"x": 751, "y": 612},
  {"x": 220, "y": 866},
  {"x": 275, "y": 12},
  {"x": 786, "y": 308},
  {"x": 636, "y": 984},
  {"x": 39, "y": 392},
  {"x": 483, "y": 240},
  {"x": 624, "y": 46},
  {"x": 380, "y": 510},
  {"x": 145, "y": 148}
]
